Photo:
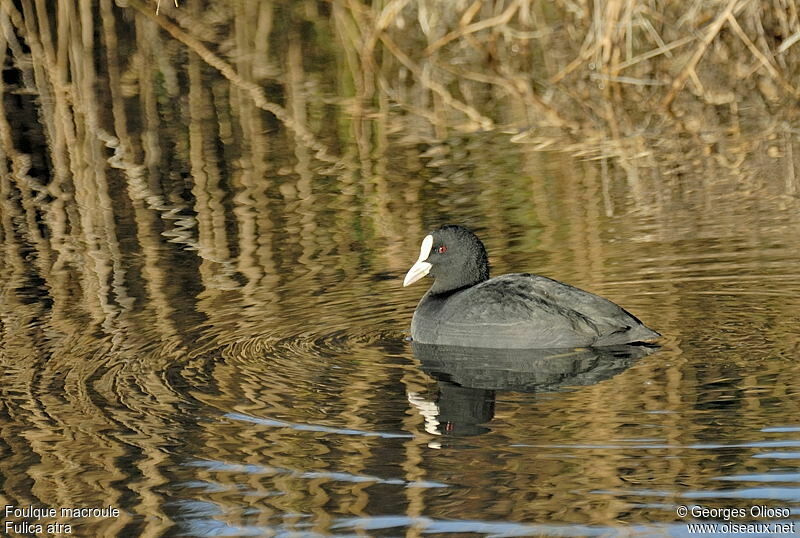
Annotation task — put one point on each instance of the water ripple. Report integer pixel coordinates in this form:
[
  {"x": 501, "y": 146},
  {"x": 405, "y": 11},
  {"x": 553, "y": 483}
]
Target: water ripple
[
  {"x": 220, "y": 466},
  {"x": 315, "y": 427}
]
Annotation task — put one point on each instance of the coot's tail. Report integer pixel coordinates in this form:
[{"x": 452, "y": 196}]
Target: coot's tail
[{"x": 629, "y": 335}]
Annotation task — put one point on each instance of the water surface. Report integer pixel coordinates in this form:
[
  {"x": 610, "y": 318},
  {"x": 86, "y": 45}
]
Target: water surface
[{"x": 204, "y": 325}]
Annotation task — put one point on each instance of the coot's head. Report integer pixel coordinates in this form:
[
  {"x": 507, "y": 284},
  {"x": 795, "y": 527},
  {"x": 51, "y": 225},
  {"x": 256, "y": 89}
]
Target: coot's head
[{"x": 453, "y": 256}]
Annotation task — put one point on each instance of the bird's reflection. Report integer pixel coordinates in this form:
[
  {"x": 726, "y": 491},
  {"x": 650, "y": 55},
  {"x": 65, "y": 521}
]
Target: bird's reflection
[{"x": 468, "y": 378}]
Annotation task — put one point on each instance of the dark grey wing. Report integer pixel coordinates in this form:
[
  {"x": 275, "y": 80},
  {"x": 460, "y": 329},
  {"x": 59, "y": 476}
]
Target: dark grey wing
[
  {"x": 615, "y": 324},
  {"x": 540, "y": 312},
  {"x": 512, "y": 311}
]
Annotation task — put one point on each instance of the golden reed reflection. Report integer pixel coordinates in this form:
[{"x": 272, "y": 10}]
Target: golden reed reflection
[{"x": 201, "y": 210}]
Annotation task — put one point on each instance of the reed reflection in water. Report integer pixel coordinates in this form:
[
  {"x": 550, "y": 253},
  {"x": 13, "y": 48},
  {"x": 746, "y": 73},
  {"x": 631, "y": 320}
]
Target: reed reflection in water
[{"x": 206, "y": 214}]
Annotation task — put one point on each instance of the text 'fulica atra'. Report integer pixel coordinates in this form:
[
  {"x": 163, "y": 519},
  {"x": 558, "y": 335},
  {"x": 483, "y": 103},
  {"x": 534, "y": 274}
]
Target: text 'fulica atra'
[{"x": 464, "y": 307}]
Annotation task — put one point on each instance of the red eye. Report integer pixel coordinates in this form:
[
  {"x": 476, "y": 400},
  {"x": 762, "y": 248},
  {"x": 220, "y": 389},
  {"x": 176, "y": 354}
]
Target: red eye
[{"x": 442, "y": 249}]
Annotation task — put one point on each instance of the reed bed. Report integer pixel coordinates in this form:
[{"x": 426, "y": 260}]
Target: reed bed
[{"x": 232, "y": 128}]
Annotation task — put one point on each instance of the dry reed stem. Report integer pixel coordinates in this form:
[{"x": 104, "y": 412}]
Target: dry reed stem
[
  {"x": 515, "y": 87},
  {"x": 648, "y": 26},
  {"x": 438, "y": 89},
  {"x": 589, "y": 49},
  {"x": 470, "y": 13},
  {"x": 613, "y": 8},
  {"x": 421, "y": 112},
  {"x": 255, "y": 91},
  {"x": 711, "y": 33},
  {"x": 656, "y": 52},
  {"x": 791, "y": 40},
  {"x": 158, "y": 5},
  {"x": 498, "y": 20},
  {"x": 389, "y": 13},
  {"x": 773, "y": 71},
  {"x": 627, "y": 80},
  {"x": 379, "y": 24}
]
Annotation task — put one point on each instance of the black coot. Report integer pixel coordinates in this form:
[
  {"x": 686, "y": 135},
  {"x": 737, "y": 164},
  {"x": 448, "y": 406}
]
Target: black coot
[{"x": 464, "y": 307}]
